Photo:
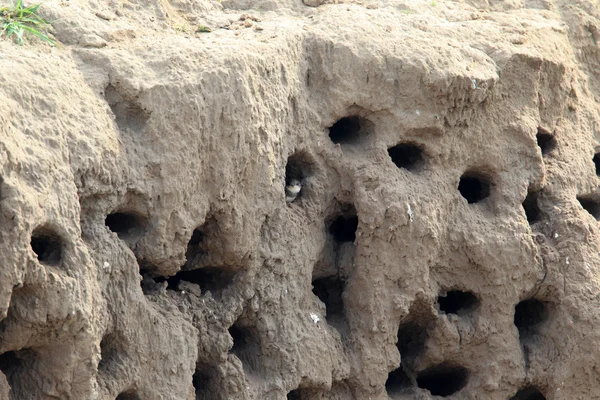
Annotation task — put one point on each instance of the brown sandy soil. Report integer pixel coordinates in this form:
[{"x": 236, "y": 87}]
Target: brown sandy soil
[{"x": 444, "y": 243}]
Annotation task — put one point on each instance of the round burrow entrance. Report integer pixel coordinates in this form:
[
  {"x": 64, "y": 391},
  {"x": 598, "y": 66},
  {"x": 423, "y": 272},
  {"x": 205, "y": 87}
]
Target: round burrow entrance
[
  {"x": 47, "y": 246},
  {"x": 457, "y": 302},
  {"x": 443, "y": 380},
  {"x": 546, "y": 141},
  {"x": 407, "y": 156},
  {"x": 528, "y": 393},
  {"x": 299, "y": 167},
  {"x": 591, "y": 204},
  {"x": 529, "y": 315},
  {"x": 126, "y": 225},
  {"x": 348, "y": 130},
  {"x": 474, "y": 186}
]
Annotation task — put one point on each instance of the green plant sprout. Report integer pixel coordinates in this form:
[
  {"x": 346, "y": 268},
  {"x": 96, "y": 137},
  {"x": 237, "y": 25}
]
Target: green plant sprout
[{"x": 17, "y": 19}]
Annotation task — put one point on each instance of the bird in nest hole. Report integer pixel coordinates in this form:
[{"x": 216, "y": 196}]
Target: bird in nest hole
[{"x": 292, "y": 190}]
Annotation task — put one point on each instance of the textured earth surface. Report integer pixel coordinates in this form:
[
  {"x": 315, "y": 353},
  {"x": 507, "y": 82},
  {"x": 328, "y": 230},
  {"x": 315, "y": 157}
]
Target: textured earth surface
[{"x": 444, "y": 243}]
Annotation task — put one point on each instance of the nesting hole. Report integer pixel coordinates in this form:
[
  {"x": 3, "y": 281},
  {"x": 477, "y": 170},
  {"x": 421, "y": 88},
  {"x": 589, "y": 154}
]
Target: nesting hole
[
  {"x": 296, "y": 394},
  {"x": 300, "y": 166},
  {"x": 546, "y": 141},
  {"x": 406, "y": 155},
  {"x": 128, "y": 114},
  {"x": 203, "y": 384},
  {"x": 528, "y": 393},
  {"x": 16, "y": 366},
  {"x": 47, "y": 245},
  {"x": 443, "y": 380},
  {"x": 591, "y": 205},
  {"x": 343, "y": 227},
  {"x": 412, "y": 336},
  {"x": 530, "y": 205},
  {"x": 474, "y": 187},
  {"x": 128, "y": 395},
  {"x": 246, "y": 347},
  {"x": 330, "y": 290},
  {"x": 596, "y": 160},
  {"x": 397, "y": 382},
  {"x": 529, "y": 314},
  {"x": 208, "y": 278},
  {"x": 457, "y": 302},
  {"x": 125, "y": 224},
  {"x": 346, "y": 130},
  {"x": 9, "y": 363},
  {"x": 109, "y": 351}
]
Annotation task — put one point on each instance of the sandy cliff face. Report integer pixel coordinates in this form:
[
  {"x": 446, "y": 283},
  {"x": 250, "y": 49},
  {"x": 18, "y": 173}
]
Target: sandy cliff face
[{"x": 445, "y": 241}]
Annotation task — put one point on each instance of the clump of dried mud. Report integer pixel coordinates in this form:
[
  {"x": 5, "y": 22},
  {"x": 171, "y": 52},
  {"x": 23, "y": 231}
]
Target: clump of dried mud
[{"x": 445, "y": 241}]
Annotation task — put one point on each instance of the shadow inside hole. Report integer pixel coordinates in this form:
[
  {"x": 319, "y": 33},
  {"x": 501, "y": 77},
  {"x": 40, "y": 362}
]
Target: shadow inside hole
[
  {"x": 412, "y": 336},
  {"x": 545, "y": 141},
  {"x": 110, "y": 348},
  {"x": 203, "y": 382},
  {"x": 596, "y": 161},
  {"x": 474, "y": 187},
  {"x": 194, "y": 252},
  {"x": 406, "y": 155},
  {"x": 47, "y": 245},
  {"x": 125, "y": 225},
  {"x": 457, "y": 302},
  {"x": 296, "y": 394},
  {"x": 246, "y": 347},
  {"x": 16, "y": 366},
  {"x": 330, "y": 290},
  {"x": 529, "y": 314},
  {"x": 443, "y": 379},
  {"x": 528, "y": 393},
  {"x": 9, "y": 363},
  {"x": 398, "y": 382},
  {"x": 346, "y": 130},
  {"x": 343, "y": 227},
  {"x": 591, "y": 205},
  {"x": 300, "y": 166},
  {"x": 530, "y": 205},
  {"x": 208, "y": 278},
  {"x": 128, "y": 395}
]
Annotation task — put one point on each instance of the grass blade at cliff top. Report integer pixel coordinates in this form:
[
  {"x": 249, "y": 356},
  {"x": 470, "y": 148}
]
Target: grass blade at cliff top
[{"x": 16, "y": 19}]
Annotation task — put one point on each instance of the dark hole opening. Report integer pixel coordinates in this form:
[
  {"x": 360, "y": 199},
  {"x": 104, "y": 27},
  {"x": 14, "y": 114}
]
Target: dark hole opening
[
  {"x": 109, "y": 350},
  {"x": 295, "y": 394},
  {"x": 529, "y": 314},
  {"x": 596, "y": 160},
  {"x": 443, "y": 380},
  {"x": 125, "y": 225},
  {"x": 346, "y": 130},
  {"x": 406, "y": 155},
  {"x": 128, "y": 395},
  {"x": 546, "y": 141},
  {"x": 208, "y": 278},
  {"x": 47, "y": 246},
  {"x": 298, "y": 168},
  {"x": 411, "y": 341},
  {"x": 246, "y": 347},
  {"x": 458, "y": 302},
  {"x": 474, "y": 187},
  {"x": 530, "y": 205},
  {"x": 397, "y": 381},
  {"x": 528, "y": 393},
  {"x": 329, "y": 290},
  {"x": 591, "y": 205},
  {"x": 202, "y": 382},
  {"x": 343, "y": 228},
  {"x": 9, "y": 362}
]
